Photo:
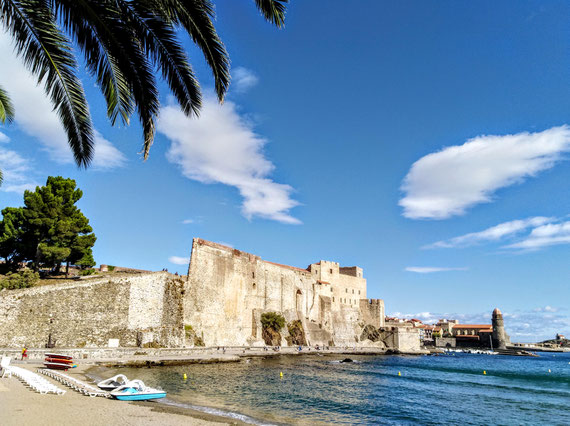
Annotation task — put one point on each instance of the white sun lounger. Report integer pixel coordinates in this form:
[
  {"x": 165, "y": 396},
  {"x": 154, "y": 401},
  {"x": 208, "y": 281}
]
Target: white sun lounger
[
  {"x": 34, "y": 381},
  {"x": 5, "y": 364},
  {"x": 75, "y": 384}
]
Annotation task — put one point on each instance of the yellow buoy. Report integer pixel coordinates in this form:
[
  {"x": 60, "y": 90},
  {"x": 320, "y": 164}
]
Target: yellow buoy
[
  {"x": 281, "y": 374},
  {"x": 485, "y": 372},
  {"x": 185, "y": 376},
  {"x": 399, "y": 373}
]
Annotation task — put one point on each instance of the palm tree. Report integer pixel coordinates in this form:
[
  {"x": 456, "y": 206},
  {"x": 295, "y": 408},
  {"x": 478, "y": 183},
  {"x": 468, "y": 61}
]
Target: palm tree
[{"x": 121, "y": 41}]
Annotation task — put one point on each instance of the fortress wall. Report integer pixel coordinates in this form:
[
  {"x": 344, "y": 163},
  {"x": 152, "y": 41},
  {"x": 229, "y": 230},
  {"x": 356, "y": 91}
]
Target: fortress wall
[
  {"x": 144, "y": 307},
  {"x": 228, "y": 290},
  {"x": 372, "y": 311},
  {"x": 225, "y": 287}
]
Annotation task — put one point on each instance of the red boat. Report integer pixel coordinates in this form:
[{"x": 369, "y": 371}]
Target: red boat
[
  {"x": 60, "y": 360},
  {"x": 57, "y": 365},
  {"x": 51, "y": 355}
]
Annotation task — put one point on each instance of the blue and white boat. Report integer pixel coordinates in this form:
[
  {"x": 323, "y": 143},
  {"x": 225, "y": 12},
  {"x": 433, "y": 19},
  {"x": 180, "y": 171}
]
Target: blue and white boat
[{"x": 135, "y": 390}]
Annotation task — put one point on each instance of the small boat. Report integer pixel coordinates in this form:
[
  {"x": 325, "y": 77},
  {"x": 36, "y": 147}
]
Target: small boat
[
  {"x": 113, "y": 382},
  {"x": 57, "y": 365},
  {"x": 52, "y": 355},
  {"x": 60, "y": 360},
  {"x": 135, "y": 390}
]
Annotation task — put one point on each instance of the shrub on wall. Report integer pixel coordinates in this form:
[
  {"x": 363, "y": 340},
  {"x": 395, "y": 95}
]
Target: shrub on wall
[
  {"x": 22, "y": 279},
  {"x": 273, "y": 321}
]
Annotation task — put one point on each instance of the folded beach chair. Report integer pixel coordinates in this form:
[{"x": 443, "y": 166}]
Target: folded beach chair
[{"x": 5, "y": 364}]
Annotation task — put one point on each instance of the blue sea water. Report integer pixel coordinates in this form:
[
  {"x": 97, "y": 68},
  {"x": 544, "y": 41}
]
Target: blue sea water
[{"x": 446, "y": 389}]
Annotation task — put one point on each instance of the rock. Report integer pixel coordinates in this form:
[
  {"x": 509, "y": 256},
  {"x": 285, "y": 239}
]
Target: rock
[
  {"x": 371, "y": 333},
  {"x": 347, "y": 360}
]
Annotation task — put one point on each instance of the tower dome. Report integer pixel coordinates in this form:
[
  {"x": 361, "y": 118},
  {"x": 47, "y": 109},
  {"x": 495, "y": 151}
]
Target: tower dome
[{"x": 497, "y": 312}]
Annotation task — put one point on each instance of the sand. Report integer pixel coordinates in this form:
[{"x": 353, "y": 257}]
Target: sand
[{"x": 19, "y": 405}]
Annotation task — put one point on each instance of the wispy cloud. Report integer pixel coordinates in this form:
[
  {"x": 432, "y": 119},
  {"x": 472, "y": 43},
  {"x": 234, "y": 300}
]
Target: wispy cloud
[
  {"x": 448, "y": 182},
  {"x": 4, "y": 138},
  {"x": 35, "y": 115},
  {"x": 188, "y": 221},
  {"x": 16, "y": 172},
  {"x": 522, "y": 325},
  {"x": 243, "y": 79},
  {"x": 177, "y": 260},
  {"x": 222, "y": 147},
  {"x": 544, "y": 236},
  {"x": 494, "y": 233},
  {"x": 432, "y": 269}
]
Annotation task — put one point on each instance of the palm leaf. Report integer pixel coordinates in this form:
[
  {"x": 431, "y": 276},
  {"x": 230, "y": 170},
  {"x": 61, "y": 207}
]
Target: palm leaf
[
  {"x": 94, "y": 26},
  {"x": 273, "y": 10},
  {"x": 6, "y": 108},
  {"x": 47, "y": 54},
  {"x": 196, "y": 18}
]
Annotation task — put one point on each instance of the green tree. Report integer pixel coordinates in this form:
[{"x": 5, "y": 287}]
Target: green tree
[
  {"x": 49, "y": 229},
  {"x": 13, "y": 247},
  {"x": 121, "y": 42}
]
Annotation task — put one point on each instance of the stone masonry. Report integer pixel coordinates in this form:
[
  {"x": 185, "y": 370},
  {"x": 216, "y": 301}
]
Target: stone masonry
[
  {"x": 141, "y": 309},
  {"x": 228, "y": 290}
]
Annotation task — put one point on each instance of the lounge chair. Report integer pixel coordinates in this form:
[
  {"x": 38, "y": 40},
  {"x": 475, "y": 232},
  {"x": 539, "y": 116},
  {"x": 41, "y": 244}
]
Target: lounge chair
[{"x": 5, "y": 364}]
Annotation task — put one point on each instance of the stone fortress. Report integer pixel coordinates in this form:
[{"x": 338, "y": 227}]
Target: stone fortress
[
  {"x": 228, "y": 290},
  {"x": 220, "y": 303}
]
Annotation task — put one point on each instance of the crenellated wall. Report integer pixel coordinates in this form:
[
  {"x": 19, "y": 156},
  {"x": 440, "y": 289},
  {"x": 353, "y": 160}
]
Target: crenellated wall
[{"x": 228, "y": 290}]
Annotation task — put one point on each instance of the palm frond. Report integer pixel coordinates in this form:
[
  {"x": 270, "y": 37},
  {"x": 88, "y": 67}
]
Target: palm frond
[
  {"x": 95, "y": 26},
  {"x": 273, "y": 11},
  {"x": 47, "y": 53},
  {"x": 158, "y": 39},
  {"x": 6, "y": 108},
  {"x": 196, "y": 18}
]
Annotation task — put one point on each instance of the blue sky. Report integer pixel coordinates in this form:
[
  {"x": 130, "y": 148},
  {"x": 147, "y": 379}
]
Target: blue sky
[{"x": 425, "y": 141}]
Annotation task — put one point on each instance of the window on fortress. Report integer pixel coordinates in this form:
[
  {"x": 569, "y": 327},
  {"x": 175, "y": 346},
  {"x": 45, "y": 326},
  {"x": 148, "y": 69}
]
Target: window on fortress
[
  {"x": 352, "y": 291},
  {"x": 254, "y": 286},
  {"x": 331, "y": 290},
  {"x": 333, "y": 298},
  {"x": 358, "y": 291},
  {"x": 331, "y": 271},
  {"x": 253, "y": 275},
  {"x": 346, "y": 290}
]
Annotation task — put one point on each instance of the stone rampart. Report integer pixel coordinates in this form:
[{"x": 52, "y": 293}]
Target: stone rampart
[
  {"x": 136, "y": 309},
  {"x": 228, "y": 290}
]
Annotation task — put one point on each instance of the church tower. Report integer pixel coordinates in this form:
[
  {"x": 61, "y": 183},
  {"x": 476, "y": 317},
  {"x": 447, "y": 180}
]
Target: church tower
[{"x": 500, "y": 337}]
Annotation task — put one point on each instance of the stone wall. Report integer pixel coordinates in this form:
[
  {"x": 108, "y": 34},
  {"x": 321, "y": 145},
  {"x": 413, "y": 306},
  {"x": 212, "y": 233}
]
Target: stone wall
[
  {"x": 136, "y": 309},
  {"x": 228, "y": 290}
]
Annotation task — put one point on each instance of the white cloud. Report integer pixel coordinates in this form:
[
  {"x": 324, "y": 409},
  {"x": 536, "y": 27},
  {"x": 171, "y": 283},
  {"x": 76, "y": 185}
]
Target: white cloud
[
  {"x": 16, "y": 171},
  {"x": 177, "y": 260},
  {"x": 448, "y": 182},
  {"x": 544, "y": 236},
  {"x": 547, "y": 308},
  {"x": 431, "y": 269},
  {"x": 494, "y": 233},
  {"x": 243, "y": 79},
  {"x": 221, "y": 147},
  {"x": 4, "y": 138},
  {"x": 34, "y": 113},
  {"x": 188, "y": 221}
]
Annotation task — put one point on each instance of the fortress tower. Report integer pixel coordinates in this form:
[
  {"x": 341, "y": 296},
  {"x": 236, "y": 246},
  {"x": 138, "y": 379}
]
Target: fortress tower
[{"x": 500, "y": 337}]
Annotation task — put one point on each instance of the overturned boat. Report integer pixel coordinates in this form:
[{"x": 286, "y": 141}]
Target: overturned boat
[
  {"x": 113, "y": 383},
  {"x": 136, "y": 390}
]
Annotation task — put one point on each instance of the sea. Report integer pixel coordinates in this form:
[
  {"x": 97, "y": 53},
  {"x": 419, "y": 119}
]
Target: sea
[{"x": 455, "y": 388}]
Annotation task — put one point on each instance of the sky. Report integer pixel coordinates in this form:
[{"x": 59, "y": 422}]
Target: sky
[{"x": 424, "y": 141}]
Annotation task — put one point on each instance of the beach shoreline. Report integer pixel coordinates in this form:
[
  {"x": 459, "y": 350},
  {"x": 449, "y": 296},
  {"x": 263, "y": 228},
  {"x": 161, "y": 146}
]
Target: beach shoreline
[{"x": 21, "y": 405}]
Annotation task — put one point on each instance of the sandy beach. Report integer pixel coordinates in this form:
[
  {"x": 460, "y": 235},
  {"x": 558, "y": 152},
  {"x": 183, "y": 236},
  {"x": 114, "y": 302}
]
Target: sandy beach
[{"x": 20, "y": 405}]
